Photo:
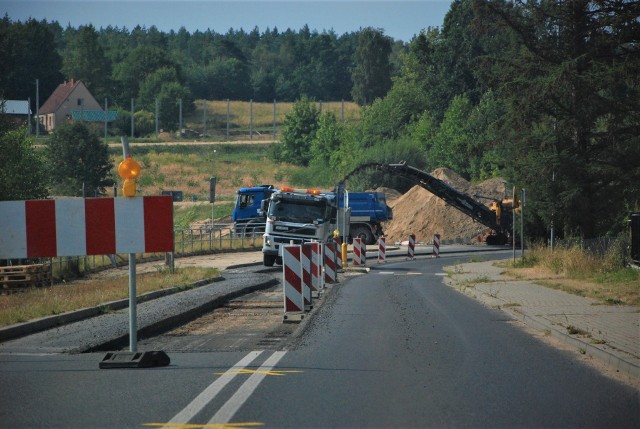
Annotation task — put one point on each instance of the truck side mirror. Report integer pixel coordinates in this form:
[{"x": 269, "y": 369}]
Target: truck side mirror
[{"x": 264, "y": 204}]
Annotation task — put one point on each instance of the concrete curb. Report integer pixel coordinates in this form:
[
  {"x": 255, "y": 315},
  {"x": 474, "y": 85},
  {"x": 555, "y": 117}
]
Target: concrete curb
[
  {"x": 611, "y": 360},
  {"x": 168, "y": 323},
  {"x": 540, "y": 324},
  {"x": 38, "y": 325}
]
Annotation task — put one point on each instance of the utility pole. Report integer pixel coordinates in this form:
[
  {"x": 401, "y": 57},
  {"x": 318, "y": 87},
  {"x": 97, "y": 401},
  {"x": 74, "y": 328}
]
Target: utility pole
[
  {"x": 522, "y": 204},
  {"x": 157, "y": 119},
  {"x": 553, "y": 179},
  {"x": 37, "y": 108},
  {"x": 513, "y": 225},
  {"x": 180, "y": 127},
  {"x": 105, "y": 119}
]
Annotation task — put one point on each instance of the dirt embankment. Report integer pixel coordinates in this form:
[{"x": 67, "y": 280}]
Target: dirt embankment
[{"x": 421, "y": 213}]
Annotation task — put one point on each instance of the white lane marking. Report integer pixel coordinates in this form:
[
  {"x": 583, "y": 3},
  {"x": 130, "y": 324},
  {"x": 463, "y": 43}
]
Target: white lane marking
[
  {"x": 442, "y": 274},
  {"x": 211, "y": 391},
  {"x": 227, "y": 411},
  {"x": 387, "y": 272}
]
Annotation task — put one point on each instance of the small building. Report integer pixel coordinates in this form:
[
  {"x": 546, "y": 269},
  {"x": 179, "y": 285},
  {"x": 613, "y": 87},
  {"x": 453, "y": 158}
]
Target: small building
[
  {"x": 72, "y": 101},
  {"x": 18, "y": 110}
]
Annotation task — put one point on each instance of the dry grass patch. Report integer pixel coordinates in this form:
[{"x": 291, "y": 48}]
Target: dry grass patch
[
  {"x": 575, "y": 270},
  {"x": 41, "y": 302}
]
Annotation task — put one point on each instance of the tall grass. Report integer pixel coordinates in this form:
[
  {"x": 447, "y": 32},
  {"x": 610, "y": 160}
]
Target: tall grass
[
  {"x": 187, "y": 168},
  {"x": 603, "y": 275},
  {"x": 263, "y": 116},
  {"x": 575, "y": 261}
]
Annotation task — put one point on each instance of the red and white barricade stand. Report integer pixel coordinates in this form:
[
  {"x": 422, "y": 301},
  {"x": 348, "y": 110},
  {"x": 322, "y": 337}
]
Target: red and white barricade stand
[
  {"x": 363, "y": 255},
  {"x": 382, "y": 250},
  {"x": 357, "y": 251},
  {"x": 292, "y": 283},
  {"x": 338, "y": 252},
  {"x": 316, "y": 267},
  {"x": 411, "y": 247},
  {"x": 330, "y": 265},
  {"x": 436, "y": 246},
  {"x": 309, "y": 290},
  {"x": 87, "y": 226}
]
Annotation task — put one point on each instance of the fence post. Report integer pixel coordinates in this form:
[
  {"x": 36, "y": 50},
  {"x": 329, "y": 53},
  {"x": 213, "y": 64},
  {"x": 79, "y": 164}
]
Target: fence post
[
  {"x": 228, "y": 117},
  {"x": 251, "y": 119},
  {"x": 274, "y": 119}
]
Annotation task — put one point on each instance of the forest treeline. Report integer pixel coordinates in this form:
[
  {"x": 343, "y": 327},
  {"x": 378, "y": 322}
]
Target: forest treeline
[
  {"x": 145, "y": 63},
  {"x": 545, "y": 94}
]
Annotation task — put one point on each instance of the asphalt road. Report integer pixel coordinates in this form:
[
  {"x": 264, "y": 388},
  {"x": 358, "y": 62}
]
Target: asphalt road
[{"x": 392, "y": 348}]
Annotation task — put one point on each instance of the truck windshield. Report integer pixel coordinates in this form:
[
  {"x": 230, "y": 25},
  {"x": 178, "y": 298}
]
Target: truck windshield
[{"x": 297, "y": 211}]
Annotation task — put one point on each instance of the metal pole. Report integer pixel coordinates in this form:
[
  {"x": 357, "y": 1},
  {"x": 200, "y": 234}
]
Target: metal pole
[
  {"x": 553, "y": 179},
  {"x": 180, "y": 127},
  {"x": 204, "y": 117},
  {"x": 157, "y": 114},
  {"x": 132, "y": 119},
  {"x": 251, "y": 119},
  {"x": 133, "y": 314},
  {"x": 37, "y": 108},
  {"x": 274, "y": 119},
  {"x": 343, "y": 110},
  {"x": 29, "y": 116},
  {"x": 133, "y": 311},
  {"x": 228, "y": 116},
  {"x": 105, "y": 119},
  {"x": 522, "y": 203},
  {"x": 513, "y": 226}
]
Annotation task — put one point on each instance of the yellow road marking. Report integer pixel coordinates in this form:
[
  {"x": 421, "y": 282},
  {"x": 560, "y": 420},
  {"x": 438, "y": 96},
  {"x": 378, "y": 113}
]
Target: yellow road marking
[
  {"x": 206, "y": 425},
  {"x": 277, "y": 372}
]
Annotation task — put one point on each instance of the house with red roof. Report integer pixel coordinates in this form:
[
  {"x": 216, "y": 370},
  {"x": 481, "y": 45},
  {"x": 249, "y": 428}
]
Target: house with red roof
[{"x": 72, "y": 101}]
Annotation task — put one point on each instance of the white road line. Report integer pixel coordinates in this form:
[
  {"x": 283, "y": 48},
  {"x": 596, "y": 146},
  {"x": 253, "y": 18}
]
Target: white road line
[
  {"x": 210, "y": 392},
  {"x": 227, "y": 411}
]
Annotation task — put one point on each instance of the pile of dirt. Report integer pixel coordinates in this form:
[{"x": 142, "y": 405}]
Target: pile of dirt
[{"x": 421, "y": 213}]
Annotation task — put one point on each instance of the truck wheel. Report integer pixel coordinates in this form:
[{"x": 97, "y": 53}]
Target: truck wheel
[
  {"x": 365, "y": 234},
  {"x": 268, "y": 260}
]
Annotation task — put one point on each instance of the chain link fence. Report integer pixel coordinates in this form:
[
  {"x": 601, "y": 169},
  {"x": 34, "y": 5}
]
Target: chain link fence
[{"x": 207, "y": 239}]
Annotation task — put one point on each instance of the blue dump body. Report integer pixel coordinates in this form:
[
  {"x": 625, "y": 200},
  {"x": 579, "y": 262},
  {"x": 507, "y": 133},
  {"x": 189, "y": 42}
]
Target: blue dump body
[{"x": 372, "y": 205}]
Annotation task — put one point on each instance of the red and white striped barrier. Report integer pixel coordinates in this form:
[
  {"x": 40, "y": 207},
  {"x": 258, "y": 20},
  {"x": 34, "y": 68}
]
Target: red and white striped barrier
[
  {"x": 316, "y": 267},
  {"x": 411, "y": 247},
  {"x": 292, "y": 282},
  {"x": 357, "y": 252},
  {"x": 338, "y": 252},
  {"x": 330, "y": 265},
  {"x": 382, "y": 250},
  {"x": 309, "y": 290},
  {"x": 87, "y": 226},
  {"x": 436, "y": 246}
]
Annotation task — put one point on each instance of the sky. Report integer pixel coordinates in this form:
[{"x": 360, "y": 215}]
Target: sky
[{"x": 401, "y": 20}]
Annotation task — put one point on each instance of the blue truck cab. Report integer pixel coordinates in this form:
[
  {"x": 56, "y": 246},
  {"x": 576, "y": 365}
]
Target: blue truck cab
[{"x": 247, "y": 216}]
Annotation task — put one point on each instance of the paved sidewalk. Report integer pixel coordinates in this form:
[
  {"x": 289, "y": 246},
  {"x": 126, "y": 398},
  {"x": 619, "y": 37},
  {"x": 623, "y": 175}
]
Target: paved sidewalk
[{"x": 610, "y": 333}]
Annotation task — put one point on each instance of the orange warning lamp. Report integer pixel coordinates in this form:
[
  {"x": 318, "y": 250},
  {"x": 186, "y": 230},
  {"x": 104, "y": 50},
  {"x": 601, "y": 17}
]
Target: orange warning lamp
[{"x": 129, "y": 170}]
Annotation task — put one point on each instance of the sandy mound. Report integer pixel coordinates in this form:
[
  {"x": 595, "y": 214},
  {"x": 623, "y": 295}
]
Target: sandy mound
[{"x": 421, "y": 213}]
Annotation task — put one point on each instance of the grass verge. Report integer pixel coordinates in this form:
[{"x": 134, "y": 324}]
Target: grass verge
[
  {"x": 575, "y": 270},
  {"x": 41, "y": 302}
]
